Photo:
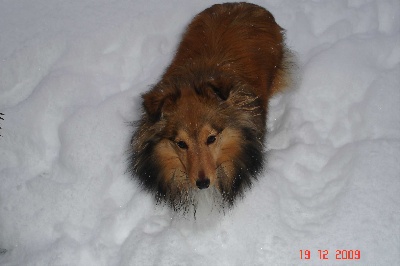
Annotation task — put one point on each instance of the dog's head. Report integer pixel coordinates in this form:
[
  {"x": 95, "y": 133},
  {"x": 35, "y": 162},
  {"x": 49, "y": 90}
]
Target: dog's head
[{"x": 201, "y": 135}]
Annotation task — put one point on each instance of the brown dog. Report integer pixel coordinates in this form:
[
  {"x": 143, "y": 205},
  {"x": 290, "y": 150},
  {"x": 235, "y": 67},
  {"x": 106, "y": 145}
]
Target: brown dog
[{"x": 204, "y": 122}]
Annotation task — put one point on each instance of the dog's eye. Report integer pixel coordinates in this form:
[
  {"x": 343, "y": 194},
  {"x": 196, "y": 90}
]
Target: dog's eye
[
  {"x": 181, "y": 144},
  {"x": 211, "y": 140}
]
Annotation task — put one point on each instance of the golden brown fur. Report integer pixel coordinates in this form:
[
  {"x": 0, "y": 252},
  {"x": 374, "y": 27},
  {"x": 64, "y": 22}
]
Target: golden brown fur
[{"x": 204, "y": 122}]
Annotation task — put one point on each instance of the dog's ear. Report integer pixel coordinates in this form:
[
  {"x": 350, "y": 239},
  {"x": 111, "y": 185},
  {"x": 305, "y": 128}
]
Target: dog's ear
[
  {"x": 221, "y": 86},
  {"x": 155, "y": 100}
]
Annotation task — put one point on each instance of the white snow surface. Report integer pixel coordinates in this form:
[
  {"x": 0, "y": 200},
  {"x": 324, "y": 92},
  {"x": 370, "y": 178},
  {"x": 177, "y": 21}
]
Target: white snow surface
[{"x": 71, "y": 75}]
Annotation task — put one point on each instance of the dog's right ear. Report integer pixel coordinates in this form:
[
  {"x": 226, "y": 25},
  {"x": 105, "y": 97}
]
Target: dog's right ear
[
  {"x": 221, "y": 86},
  {"x": 155, "y": 100}
]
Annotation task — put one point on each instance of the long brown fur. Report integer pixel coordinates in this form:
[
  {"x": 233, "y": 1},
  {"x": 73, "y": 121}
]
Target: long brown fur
[{"x": 204, "y": 122}]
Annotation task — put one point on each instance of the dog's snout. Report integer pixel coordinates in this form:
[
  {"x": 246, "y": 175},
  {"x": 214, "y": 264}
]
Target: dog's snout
[{"x": 203, "y": 183}]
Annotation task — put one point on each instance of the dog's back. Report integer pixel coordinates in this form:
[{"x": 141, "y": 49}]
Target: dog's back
[{"x": 242, "y": 40}]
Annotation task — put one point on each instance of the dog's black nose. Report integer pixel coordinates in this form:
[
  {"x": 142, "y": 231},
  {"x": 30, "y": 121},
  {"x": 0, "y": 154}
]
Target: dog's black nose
[{"x": 203, "y": 183}]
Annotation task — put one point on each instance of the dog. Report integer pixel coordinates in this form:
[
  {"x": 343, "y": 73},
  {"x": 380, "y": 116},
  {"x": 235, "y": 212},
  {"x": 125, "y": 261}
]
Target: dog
[{"x": 203, "y": 124}]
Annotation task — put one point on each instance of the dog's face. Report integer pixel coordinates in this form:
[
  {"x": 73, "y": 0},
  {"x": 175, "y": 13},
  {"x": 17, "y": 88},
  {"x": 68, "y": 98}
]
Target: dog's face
[
  {"x": 198, "y": 140},
  {"x": 197, "y": 147}
]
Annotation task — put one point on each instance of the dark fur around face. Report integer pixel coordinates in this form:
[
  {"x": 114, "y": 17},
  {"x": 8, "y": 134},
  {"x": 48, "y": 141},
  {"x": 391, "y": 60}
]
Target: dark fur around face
[
  {"x": 240, "y": 112},
  {"x": 205, "y": 119}
]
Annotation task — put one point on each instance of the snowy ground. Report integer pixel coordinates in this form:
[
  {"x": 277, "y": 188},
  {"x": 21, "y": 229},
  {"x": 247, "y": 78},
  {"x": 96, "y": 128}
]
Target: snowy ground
[{"x": 70, "y": 76}]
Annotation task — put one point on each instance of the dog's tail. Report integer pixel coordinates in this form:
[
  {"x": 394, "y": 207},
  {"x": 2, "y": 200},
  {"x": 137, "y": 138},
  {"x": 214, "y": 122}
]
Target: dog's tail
[{"x": 287, "y": 75}]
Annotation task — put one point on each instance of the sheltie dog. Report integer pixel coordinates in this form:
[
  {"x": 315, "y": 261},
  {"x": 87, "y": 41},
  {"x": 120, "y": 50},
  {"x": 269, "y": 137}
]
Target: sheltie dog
[{"x": 203, "y": 124}]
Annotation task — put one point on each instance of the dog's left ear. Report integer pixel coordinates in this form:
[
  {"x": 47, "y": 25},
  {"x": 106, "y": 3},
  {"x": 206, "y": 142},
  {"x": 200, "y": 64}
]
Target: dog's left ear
[
  {"x": 156, "y": 101},
  {"x": 221, "y": 86}
]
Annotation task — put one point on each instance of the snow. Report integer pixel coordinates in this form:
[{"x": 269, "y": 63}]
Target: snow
[{"x": 71, "y": 75}]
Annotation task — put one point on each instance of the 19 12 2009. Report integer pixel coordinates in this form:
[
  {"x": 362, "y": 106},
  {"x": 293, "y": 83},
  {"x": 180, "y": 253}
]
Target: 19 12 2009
[{"x": 340, "y": 254}]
